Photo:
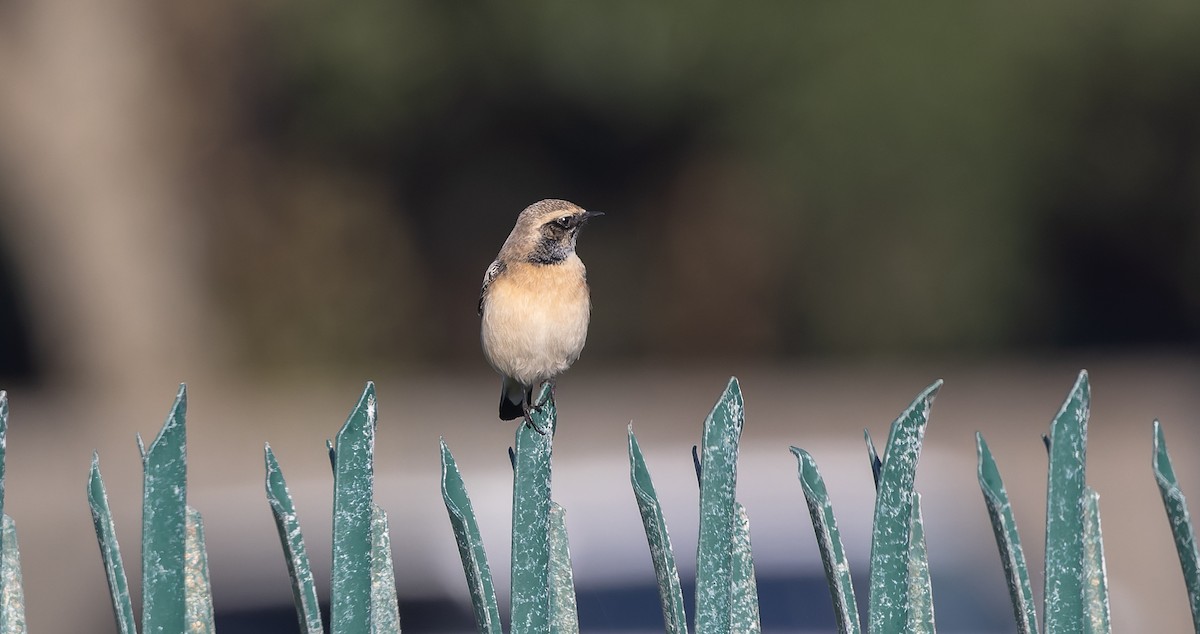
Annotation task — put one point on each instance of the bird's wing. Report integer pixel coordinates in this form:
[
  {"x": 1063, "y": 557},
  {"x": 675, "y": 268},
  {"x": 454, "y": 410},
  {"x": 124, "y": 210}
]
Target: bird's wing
[{"x": 491, "y": 273}]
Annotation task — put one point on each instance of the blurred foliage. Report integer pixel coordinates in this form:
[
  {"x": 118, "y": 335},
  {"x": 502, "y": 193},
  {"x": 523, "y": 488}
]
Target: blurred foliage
[{"x": 839, "y": 179}]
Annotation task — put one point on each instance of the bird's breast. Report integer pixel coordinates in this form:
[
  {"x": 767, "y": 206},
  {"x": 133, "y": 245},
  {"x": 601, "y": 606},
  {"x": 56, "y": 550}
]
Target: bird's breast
[{"x": 535, "y": 319}]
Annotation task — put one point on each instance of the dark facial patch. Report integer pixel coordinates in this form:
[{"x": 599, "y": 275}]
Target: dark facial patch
[{"x": 555, "y": 240}]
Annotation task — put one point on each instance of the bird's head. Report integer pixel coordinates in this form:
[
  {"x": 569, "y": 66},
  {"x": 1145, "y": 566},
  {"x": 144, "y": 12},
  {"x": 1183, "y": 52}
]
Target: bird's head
[{"x": 546, "y": 231}]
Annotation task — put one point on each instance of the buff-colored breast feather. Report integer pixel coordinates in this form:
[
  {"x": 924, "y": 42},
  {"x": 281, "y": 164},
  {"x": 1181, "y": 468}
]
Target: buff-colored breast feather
[{"x": 535, "y": 319}]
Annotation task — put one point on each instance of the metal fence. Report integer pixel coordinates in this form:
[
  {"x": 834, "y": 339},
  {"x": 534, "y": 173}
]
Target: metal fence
[{"x": 177, "y": 599}]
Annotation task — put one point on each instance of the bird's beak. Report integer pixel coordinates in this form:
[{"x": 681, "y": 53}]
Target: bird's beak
[{"x": 587, "y": 215}]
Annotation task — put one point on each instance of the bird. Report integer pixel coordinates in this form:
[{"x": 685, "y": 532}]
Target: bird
[{"x": 534, "y": 305}]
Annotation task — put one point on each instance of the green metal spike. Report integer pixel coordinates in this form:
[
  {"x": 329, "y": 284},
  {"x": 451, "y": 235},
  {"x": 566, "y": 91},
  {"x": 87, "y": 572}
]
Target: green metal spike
[
  {"x": 564, "y": 613},
  {"x": 1064, "y": 607},
  {"x": 743, "y": 612},
  {"x": 304, "y": 590},
  {"x": 718, "y": 482},
  {"x": 1004, "y": 525},
  {"x": 829, "y": 542},
  {"x": 531, "y": 519},
  {"x": 385, "y": 610},
  {"x": 1095, "y": 586},
  {"x": 889, "y": 601},
  {"x": 670, "y": 592},
  {"x": 110, "y": 550},
  {"x": 920, "y": 586},
  {"x": 12, "y": 595},
  {"x": 1180, "y": 520},
  {"x": 164, "y": 524},
  {"x": 353, "y": 504},
  {"x": 470, "y": 546},
  {"x": 198, "y": 592}
]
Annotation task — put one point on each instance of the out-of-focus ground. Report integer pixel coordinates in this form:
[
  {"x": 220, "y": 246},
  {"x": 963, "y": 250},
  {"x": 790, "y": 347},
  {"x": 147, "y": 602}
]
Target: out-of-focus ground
[{"x": 820, "y": 408}]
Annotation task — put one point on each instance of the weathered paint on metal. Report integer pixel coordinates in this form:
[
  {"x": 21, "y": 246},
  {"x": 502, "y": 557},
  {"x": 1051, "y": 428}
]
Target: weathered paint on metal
[
  {"x": 353, "y": 486},
  {"x": 385, "y": 609},
  {"x": 564, "y": 613},
  {"x": 1180, "y": 520},
  {"x": 1008, "y": 541},
  {"x": 470, "y": 546},
  {"x": 920, "y": 587},
  {"x": 110, "y": 550},
  {"x": 12, "y": 595},
  {"x": 829, "y": 542},
  {"x": 198, "y": 592},
  {"x": 304, "y": 590},
  {"x": 531, "y": 519},
  {"x": 3, "y": 447},
  {"x": 889, "y": 600},
  {"x": 743, "y": 611},
  {"x": 718, "y": 484},
  {"x": 1064, "y": 606},
  {"x": 670, "y": 592},
  {"x": 1095, "y": 582},
  {"x": 164, "y": 524}
]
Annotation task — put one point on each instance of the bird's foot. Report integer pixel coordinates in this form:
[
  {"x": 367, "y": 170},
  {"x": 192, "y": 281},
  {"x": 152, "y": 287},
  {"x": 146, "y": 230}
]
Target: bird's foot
[{"x": 527, "y": 408}]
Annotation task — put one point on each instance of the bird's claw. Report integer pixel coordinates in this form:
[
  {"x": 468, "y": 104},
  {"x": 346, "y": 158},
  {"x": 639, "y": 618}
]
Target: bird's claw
[{"x": 529, "y": 419}]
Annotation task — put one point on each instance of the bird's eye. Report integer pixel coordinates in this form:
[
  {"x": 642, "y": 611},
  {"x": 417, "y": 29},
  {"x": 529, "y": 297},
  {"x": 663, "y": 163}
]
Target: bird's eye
[{"x": 564, "y": 222}]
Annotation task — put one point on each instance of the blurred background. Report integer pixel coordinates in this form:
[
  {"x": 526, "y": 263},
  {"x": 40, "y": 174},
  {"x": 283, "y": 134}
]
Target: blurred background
[{"x": 276, "y": 201}]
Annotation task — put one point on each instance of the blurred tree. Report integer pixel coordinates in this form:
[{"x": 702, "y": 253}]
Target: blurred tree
[{"x": 99, "y": 222}]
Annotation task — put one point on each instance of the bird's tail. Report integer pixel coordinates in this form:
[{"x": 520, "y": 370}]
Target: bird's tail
[{"x": 512, "y": 394}]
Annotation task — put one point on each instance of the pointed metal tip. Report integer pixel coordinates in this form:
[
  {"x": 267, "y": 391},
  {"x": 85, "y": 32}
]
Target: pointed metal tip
[
  {"x": 634, "y": 448},
  {"x": 271, "y": 463},
  {"x": 1082, "y": 383}
]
